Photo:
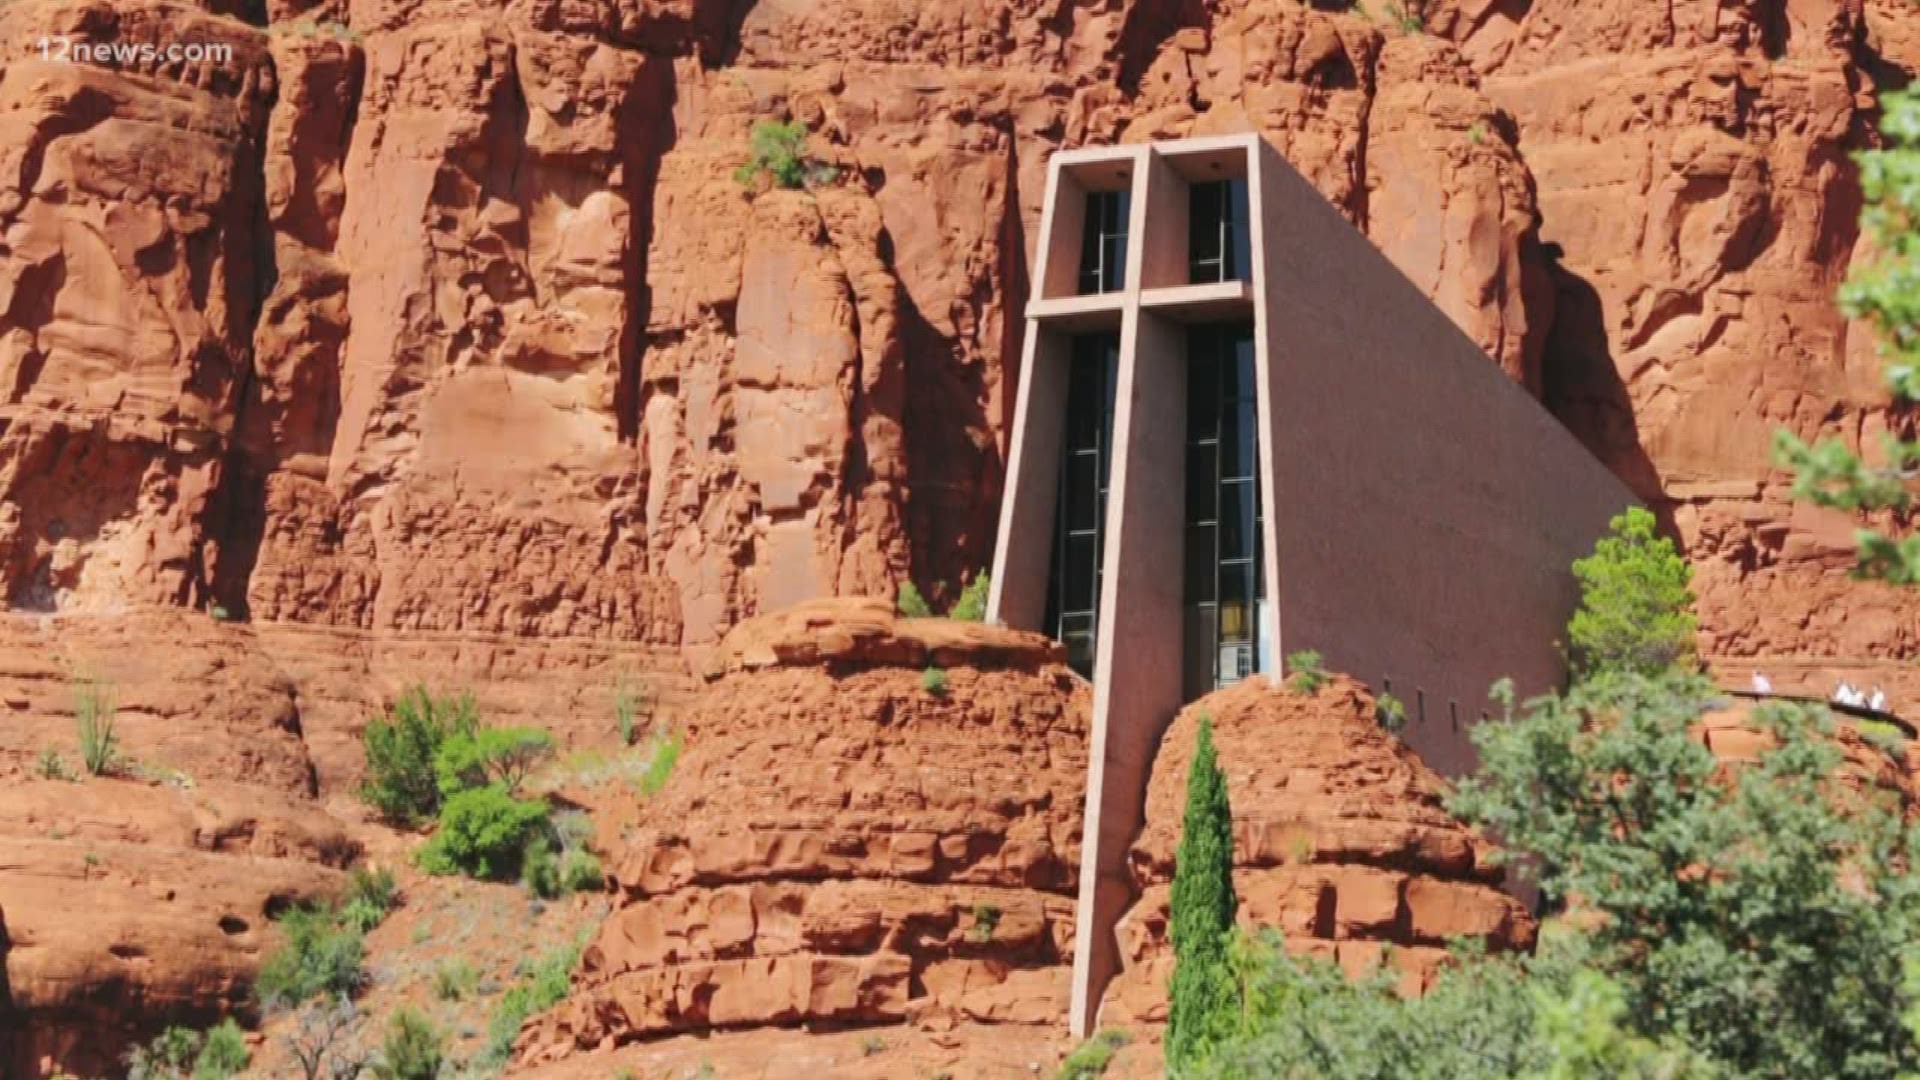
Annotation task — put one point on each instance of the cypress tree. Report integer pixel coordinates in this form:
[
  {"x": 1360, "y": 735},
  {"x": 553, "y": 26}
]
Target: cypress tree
[{"x": 1203, "y": 1005}]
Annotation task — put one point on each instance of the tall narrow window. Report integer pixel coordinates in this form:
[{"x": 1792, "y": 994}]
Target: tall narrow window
[
  {"x": 1103, "y": 243},
  {"x": 1218, "y": 243},
  {"x": 1073, "y": 598},
  {"x": 1225, "y": 590}
]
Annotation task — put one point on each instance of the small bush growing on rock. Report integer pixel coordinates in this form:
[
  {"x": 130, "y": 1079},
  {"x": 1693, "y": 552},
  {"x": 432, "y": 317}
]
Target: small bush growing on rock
[
  {"x": 544, "y": 987},
  {"x": 401, "y": 780},
  {"x": 550, "y": 875},
  {"x": 484, "y": 833},
  {"x": 476, "y": 758},
  {"x": 1090, "y": 1060},
  {"x": 455, "y": 979},
  {"x": 224, "y": 1054},
  {"x": 779, "y": 152},
  {"x": 972, "y": 604},
  {"x": 986, "y": 919},
  {"x": 51, "y": 766},
  {"x": 666, "y": 755},
  {"x": 168, "y": 1057},
  {"x": 1391, "y": 713},
  {"x": 413, "y": 1049},
  {"x": 1635, "y": 613},
  {"x": 1305, "y": 675},
  {"x": 934, "y": 681},
  {"x": 328, "y": 1040},
  {"x": 320, "y": 953},
  {"x": 373, "y": 888},
  {"x": 911, "y": 604},
  {"x": 631, "y": 702},
  {"x": 93, "y": 712}
]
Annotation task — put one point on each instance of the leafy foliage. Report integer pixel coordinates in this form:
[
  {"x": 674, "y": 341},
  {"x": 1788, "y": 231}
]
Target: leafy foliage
[
  {"x": 488, "y": 755},
  {"x": 972, "y": 604},
  {"x": 660, "y": 766},
  {"x": 1305, "y": 672},
  {"x": 401, "y": 779},
  {"x": 911, "y": 604},
  {"x": 413, "y": 1049},
  {"x": 1886, "y": 293},
  {"x": 94, "y": 711},
  {"x": 631, "y": 702},
  {"x": 320, "y": 953},
  {"x": 371, "y": 894},
  {"x": 455, "y": 979},
  {"x": 1775, "y": 892},
  {"x": 1391, "y": 714},
  {"x": 934, "y": 681},
  {"x": 1090, "y": 1059},
  {"x": 51, "y": 766},
  {"x": 224, "y": 1053},
  {"x": 1636, "y": 604},
  {"x": 483, "y": 832},
  {"x": 779, "y": 153},
  {"x": 986, "y": 919},
  {"x": 1201, "y": 991},
  {"x": 543, "y": 987}
]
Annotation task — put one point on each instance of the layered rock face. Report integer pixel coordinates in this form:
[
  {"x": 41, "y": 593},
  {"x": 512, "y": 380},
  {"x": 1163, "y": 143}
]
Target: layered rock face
[
  {"x": 1340, "y": 842},
  {"x": 842, "y": 843}
]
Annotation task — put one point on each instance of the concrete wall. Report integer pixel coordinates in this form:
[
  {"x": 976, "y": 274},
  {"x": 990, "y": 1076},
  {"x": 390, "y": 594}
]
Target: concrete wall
[{"x": 1425, "y": 510}]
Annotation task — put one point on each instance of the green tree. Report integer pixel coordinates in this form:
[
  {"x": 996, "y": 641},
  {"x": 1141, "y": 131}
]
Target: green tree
[
  {"x": 224, "y": 1054},
  {"x": 911, "y": 604},
  {"x": 318, "y": 954},
  {"x": 482, "y": 756},
  {"x": 1776, "y": 892},
  {"x": 779, "y": 152},
  {"x": 401, "y": 781},
  {"x": 1636, "y": 606},
  {"x": 972, "y": 604},
  {"x": 1886, "y": 293},
  {"x": 483, "y": 832},
  {"x": 1202, "y": 991}
]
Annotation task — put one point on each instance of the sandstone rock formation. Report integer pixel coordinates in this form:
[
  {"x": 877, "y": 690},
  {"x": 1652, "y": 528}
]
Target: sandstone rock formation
[
  {"x": 840, "y": 843},
  {"x": 129, "y": 906},
  {"x": 1340, "y": 842}
]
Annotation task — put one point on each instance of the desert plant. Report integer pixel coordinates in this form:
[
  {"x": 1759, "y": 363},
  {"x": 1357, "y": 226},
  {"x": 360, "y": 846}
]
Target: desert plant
[
  {"x": 476, "y": 758},
  {"x": 1305, "y": 675},
  {"x": 223, "y": 1053},
  {"x": 986, "y": 919},
  {"x": 1635, "y": 613},
  {"x": 1090, "y": 1059},
  {"x": 51, "y": 766},
  {"x": 631, "y": 703},
  {"x": 93, "y": 712},
  {"x": 373, "y": 888},
  {"x": 911, "y": 604},
  {"x": 779, "y": 152},
  {"x": 318, "y": 954},
  {"x": 455, "y": 979},
  {"x": 1390, "y": 712},
  {"x": 972, "y": 604},
  {"x": 327, "y": 1040},
  {"x": 660, "y": 766},
  {"x": 543, "y": 987},
  {"x": 871, "y": 1045},
  {"x": 483, "y": 832},
  {"x": 934, "y": 681},
  {"x": 413, "y": 1048},
  {"x": 1201, "y": 992},
  {"x": 401, "y": 781},
  {"x": 169, "y": 1056}
]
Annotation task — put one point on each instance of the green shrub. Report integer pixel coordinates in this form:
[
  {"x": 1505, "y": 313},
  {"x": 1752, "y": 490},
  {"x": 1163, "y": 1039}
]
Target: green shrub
[
  {"x": 934, "y": 681},
  {"x": 1635, "y": 613},
  {"x": 401, "y": 782},
  {"x": 972, "y": 605},
  {"x": 94, "y": 712},
  {"x": 413, "y": 1049},
  {"x": 911, "y": 604},
  {"x": 224, "y": 1054},
  {"x": 544, "y": 987},
  {"x": 631, "y": 702},
  {"x": 483, "y": 833},
  {"x": 666, "y": 755},
  {"x": 1391, "y": 713},
  {"x": 550, "y": 875},
  {"x": 1305, "y": 675},
  {"x": 319, "y": 954},
  {"x": 986, "y": 919},
  {"x": 779, "y": 152},
  {"x": 51, "y": 766},
  {"x": 1201, "y": 992},
  {"x": 373, "y": 887},
  {"x": 1090, "y": 1060},
  {"x": 168, "y": 1057},
  {"x": 455, "y": 979},
  {"x": 476, "y": 758}
]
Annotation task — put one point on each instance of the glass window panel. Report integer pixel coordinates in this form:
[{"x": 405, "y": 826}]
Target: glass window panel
[
  {"x": 1082, "y": 492},
  {"x": 1200, "y": 564},
  {"x": 1239, "y": 248},
  {"x": 1237, "y": 437},
  {"x": 1201, "y": 647},
  {"x": 1203, "y": 489},
  {"x": 1077, "y": 588},
  {"x": 1238, "y": 535},
  {"x": 1113, "y": 263},
  {"x": 1203, "y": 390},
  {"x": 1080, "y": 652}
]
